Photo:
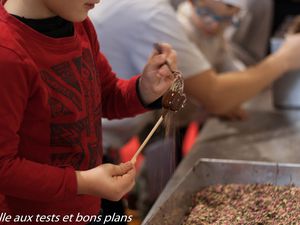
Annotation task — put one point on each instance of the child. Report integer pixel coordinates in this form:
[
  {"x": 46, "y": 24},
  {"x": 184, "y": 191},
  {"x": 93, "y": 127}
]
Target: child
[{"x": 55, "y": 86}]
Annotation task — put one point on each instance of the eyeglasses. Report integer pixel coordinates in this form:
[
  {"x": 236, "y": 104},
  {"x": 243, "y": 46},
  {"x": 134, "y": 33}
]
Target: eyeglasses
[{"x": 205, "y": 11}]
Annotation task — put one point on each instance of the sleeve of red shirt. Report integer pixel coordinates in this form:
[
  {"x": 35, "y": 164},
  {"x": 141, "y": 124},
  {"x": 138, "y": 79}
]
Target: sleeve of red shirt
[
  {"x": 119, "y": 97},
  {"x": 19, "y": 177}
]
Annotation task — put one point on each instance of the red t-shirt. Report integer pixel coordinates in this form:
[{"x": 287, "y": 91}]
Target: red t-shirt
[{"x": 53, "y": 93}]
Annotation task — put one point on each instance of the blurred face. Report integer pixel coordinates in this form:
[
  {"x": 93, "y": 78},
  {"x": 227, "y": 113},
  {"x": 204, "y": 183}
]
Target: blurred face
[
  {"x": 71, "y": 10},
  {"x": 213, "y": 16}
]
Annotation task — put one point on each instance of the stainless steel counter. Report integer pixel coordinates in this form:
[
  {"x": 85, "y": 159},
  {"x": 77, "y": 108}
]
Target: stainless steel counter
[{"x": 268, "y": 135}]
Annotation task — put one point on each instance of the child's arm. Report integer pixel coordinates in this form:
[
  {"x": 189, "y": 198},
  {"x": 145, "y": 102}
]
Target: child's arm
[
  {"x": 120, "y": 98},
  {"x": 26, "y": 179},
  {"x": 20, "y": 177},
  {"x": 109, "y": 181}
]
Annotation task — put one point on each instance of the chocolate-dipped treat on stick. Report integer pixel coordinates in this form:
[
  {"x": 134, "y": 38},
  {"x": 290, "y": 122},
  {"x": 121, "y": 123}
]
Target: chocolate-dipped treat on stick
[{"x": 173, "y": 100}]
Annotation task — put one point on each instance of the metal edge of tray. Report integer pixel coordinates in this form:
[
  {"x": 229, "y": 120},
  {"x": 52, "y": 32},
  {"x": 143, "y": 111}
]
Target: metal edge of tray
[{"x": 205, "y": 172}]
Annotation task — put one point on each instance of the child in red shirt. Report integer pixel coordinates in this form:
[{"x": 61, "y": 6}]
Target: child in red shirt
[{"x": 54, "y": 89}]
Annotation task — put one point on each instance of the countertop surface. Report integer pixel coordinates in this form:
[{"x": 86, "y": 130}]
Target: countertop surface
[{"x": 267, "y": 135}]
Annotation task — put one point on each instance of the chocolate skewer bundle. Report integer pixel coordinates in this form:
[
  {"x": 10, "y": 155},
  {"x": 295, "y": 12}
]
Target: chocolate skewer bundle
[{"x": 173, "y": 100}]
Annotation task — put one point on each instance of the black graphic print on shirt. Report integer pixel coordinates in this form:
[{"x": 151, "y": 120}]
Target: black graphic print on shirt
[{"x": 75, "y": 99}]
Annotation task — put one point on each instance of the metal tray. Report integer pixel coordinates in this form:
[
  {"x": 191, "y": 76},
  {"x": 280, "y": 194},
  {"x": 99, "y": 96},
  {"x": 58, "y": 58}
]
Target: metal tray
[{"x": 216, "y": 171}]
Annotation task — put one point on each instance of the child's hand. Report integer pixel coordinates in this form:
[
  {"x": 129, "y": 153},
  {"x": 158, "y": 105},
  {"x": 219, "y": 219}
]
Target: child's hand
[
  {"x": 157, "y": 77},
  {"x": 107, "y": 181}
]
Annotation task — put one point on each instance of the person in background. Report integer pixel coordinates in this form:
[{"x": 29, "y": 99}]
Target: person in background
[
  {"x": 55, "y": 86},
  {"x": 205, "y": 23},
  {"x": 250, "y": 40},
  {"x": 128, "y": 29},
  {"x": 142, "y": 23},
  {"x": 176, "y": 3}
]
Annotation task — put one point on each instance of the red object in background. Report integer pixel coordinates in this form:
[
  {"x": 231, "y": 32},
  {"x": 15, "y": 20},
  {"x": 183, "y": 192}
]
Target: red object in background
[
  {"x": 190, "y": 137},
  {"x": 128, "y": 151}
]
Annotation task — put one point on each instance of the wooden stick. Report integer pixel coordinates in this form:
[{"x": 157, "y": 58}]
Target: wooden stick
[{"x": 133, "y": 160}]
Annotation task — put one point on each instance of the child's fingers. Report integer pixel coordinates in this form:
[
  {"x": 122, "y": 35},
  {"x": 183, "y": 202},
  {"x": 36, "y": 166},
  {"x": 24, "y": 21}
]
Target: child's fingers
[
  {"x": 130, "y": 175},
  {"x": 170, "y": 54},
  {"x": 165, "y": 48},
  {"x": 127, "y": 181},
  {"x": 158, "y": 61},
  {"x": 159, "y": 64},
  {"x": 165, "y": 72},
  {"x": 123, "y": 168},
  {"x": 121, "y": 184},
  {"x": 172, "y": 59},
  {"x": 164, "y": 54}
]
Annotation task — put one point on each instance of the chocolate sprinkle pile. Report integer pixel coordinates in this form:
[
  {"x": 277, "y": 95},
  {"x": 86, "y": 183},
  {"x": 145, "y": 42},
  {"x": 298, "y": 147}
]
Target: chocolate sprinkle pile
[{"x": 253, "y": 204}]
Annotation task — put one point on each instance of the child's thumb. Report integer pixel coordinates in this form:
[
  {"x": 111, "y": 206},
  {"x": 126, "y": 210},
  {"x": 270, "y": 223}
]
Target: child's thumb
[{"x": 122, "y": 169}]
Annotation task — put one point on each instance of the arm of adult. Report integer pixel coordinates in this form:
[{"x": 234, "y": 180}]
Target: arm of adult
[{"x": 220, "y": 94}]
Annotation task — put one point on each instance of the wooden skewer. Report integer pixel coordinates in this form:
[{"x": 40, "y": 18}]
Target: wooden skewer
[{"x": 133, "y": 160}]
